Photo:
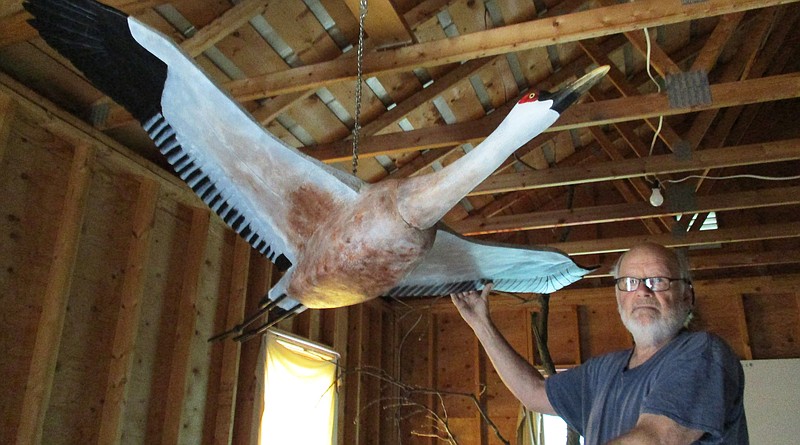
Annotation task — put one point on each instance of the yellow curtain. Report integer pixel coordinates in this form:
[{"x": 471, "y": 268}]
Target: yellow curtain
[{"x": 299, "y": 395}]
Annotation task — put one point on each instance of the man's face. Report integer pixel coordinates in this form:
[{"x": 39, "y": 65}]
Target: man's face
[{"x": 652, "y": 317}]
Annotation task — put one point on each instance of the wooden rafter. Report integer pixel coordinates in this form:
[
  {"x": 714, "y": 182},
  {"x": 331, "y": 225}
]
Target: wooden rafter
[
  {"x": 766, "y": 152},
  {"x": 578, "y": 116},
  {"x": 625, "y": 212},
  {"x": 534, "y": 34}
]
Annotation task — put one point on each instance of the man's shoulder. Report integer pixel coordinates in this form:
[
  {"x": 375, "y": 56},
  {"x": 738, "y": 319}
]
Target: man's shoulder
[{"x": 704, "y": 344}]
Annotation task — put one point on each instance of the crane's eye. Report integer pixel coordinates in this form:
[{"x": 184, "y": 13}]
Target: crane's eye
[{"x": 533, "y": 96}]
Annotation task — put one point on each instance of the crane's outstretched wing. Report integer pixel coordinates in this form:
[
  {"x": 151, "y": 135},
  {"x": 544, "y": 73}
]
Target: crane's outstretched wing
[
  {"x": 267, "y": 191},
  {"x": 456, "y": 264}
]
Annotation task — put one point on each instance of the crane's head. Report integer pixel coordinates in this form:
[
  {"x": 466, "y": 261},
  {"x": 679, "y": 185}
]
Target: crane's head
[{"x": 537, "y": 111}]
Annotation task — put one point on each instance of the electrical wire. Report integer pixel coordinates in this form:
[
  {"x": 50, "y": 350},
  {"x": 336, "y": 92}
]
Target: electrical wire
[
  {"x": 658, "y": 88},
  {"x": 745, "y": 175}
]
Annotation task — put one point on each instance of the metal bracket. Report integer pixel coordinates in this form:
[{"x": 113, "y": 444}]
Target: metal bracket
[
  {"x": 683, "y": 150},
  {"x": 680, "y": 198},
  {"x": 686, "y": 90}
]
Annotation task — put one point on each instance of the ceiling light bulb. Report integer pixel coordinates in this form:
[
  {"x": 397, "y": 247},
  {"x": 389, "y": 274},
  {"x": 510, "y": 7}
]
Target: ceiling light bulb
[{"x": 656, "y": 199}]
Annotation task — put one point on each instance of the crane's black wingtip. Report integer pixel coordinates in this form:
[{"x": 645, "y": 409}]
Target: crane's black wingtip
[{"x": 97, "y": 39}]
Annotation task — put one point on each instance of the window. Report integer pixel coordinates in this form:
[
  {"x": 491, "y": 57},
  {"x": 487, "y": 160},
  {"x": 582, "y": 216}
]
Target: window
[
  {"x": 710, "y": 222},
  {"x": 543, "y": 429},
  {"x": 299, "y": 392}
]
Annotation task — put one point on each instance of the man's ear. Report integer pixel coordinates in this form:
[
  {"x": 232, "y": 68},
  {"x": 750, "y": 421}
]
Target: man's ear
[{"x": 691, "y": 293}]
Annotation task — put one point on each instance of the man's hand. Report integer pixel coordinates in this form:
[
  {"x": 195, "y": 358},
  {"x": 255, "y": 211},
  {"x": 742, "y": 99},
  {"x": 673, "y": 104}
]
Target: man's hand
[{"x": 473, "y": 306}]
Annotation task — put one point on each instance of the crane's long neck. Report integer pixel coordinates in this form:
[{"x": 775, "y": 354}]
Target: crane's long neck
[{"x": 424, "y": 200}]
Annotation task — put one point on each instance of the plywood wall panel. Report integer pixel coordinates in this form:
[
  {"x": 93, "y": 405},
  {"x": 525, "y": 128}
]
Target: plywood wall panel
[
  {"x": 464, "y": 429},
  {"x": 157, "y": 328},
  {"x": 716, "y": 313},
  {"x": 206, "y": 358},
  {"x": 144, "y": 408},
  {"x": 390, "y": 412},
  {"x": 601, "y": 330},
  {"x": 416, "y": 354},
  {"x": 563, "y": 339},
  {"x": 456, "y": 363},
  {"x": 772, "y": 324},
  {"x": 34, "y": 185},
  {"x": 92, "y": 310}
]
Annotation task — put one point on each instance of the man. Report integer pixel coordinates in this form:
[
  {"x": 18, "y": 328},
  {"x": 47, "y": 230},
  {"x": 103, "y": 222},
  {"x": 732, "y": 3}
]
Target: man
[{"x": 672, "y": 387}]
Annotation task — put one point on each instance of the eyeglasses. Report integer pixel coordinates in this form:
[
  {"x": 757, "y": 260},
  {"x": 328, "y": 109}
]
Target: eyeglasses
[{"x": 655, "y": 284}]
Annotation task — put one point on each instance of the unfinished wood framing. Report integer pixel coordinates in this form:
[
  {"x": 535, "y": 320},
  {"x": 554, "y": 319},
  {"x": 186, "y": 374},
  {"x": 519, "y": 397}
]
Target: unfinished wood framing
[
  {"x": 114, "y": 274},
  {"x": 119, "y": 370},
  {"x": 54, "y": 301},
  {"x": 228, "y": 382},
  {"x": 6, "y": 118}
]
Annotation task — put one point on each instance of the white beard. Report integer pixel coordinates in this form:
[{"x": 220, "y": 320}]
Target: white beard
[{"x": 659, "y": 330}]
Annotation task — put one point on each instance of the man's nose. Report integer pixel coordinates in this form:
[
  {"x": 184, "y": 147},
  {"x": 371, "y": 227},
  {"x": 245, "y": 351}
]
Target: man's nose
[{"x": 642, "y": 286}]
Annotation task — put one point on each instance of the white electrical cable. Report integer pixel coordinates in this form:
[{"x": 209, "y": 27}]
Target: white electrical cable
[
  {"x": 658, "y": 88},
  {"x": 750, "y": 176}
]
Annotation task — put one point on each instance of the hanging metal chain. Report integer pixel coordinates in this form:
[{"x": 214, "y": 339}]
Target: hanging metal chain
[{"x": 360, "y": 57}]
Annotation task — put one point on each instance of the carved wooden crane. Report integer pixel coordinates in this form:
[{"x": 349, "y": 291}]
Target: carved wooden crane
[{"x": 340, "y": 241}]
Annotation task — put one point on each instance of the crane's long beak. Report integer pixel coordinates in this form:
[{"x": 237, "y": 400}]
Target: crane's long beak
[{"x": 572, "y": 92}]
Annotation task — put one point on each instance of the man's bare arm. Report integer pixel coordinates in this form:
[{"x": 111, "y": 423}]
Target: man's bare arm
[
  {"x": 522, "y": 378},
  {"x": 657, "y": 430}
]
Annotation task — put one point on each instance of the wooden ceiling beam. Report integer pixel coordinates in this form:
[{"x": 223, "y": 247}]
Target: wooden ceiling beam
[
  {"x": 279, "y": 104},
  {"x": 625, "y": 212},
  {"x": 727, "y": 260},
  {"x": 222, "y": 26},
  {"x": 578, "y": 116},
  {"x": 720, "y": 236},
  {"x": 659, "y": 60},
  {"x": 761, "y": 153},
  {"x": 591, "y": 153},
  {"x": 619, "y": 80},
  {"x": 707, "y": 58},
  {"x": 382, "y": 23},
  {"x": 528, "y": 35},
  {"x": 737, "y": 69}
]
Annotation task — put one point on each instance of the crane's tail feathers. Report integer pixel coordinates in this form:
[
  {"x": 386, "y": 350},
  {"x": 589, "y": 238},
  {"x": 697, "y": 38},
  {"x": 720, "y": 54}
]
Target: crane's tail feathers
[
  {"x": 239, "y": 328},
  {"x": 276, "y": 316}
]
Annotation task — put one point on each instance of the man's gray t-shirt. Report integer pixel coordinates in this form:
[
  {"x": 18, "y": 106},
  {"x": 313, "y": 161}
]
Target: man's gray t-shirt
[{"x": 695, "y": 380}]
